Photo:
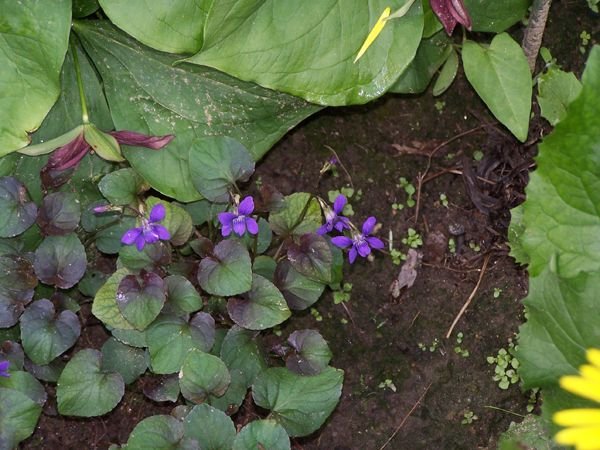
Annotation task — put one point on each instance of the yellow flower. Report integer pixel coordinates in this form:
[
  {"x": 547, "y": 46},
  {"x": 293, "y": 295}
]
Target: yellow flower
[{"x": 583, "y": 424}]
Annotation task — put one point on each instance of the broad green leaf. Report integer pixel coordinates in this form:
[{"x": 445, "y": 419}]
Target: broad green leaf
[
  {"x": 301, "y": 404},
  {"x": 182, "y": 296},
  {"x": 17, "y": 281},
  {"x": 210, "y": 427},
  {"x": 532, "y": 433},
  {"x": 262, "y": 434},
  {"x": 83, "y": 8},
  {"x": 299, "y": 291},
  {"x": 300, "y": 214},
  {"x": 167, "y": 390},
  {"x": 159, "y": 433},
  {"x": 18, "y": 211},
  {"x": 311, "y": 256},
  {"x": 309, "y": 52},
  {"x": 45, "y": 334},
  {"x": 105, "y": 306},
  {"x": 228, "y": 272},
  {"x": 18, "y": 417},
  {"x": 201, "y": 375},
  {"x": 59, "y": 214},
  {"x": 177, "y": 221},
  {"x": 26, "y": 384},
  {"x": 260, "y": 308},
  {"x": 430, "y": 56},
  {"x": 122, "y": 187},
  {"x": 33, "y": 41},
  {"x": 265, "y": 266},
  {"x": 140, "y": 298},
  {"x": 241, "y": 351},
  {"x": 174, "y": 26},
  {"x": 312, "y": 354},
  {"x": 556, "y": 91},
  {"x": 49, "y": 373},
  {"x": 501, "y": 77},
  {"x": 133, "y": 338},
  {"x": 263, "y": 238},
  {"x": 60, "y": 261},
  {"x": 561, "y": 216},
  {"x": 216, "y": 164},
  {"x": 148, "y": 94},
  {"x": 560, "y": 327},
  {"x": 85, "y": 390},
  {"x": 170, "y": 339},
  {"x": 151, "y": 257},
  {"x": 233, "y": 397},
  {"x": 495, "y": 16},
  {"x": 130, "y": 362},
  {"x": 447, "y": 74}
]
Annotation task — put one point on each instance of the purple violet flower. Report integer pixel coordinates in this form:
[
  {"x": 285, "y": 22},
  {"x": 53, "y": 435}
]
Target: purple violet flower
[
  {"x": 451, "y": 12},
  {"x": 239, "y": 220},
  {"x": 333, "y": 219},
  {"x": 4, "y": 369},
  {"x": 150, "y": 231},
  {"x": 361, "y": 243}
]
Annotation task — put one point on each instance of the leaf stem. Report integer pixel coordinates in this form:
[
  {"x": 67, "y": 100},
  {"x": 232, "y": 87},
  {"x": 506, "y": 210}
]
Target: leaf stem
[{"x": 84, "y": 111}]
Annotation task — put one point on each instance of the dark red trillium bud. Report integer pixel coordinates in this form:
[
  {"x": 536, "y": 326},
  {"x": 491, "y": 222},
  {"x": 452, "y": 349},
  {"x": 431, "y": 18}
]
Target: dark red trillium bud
[
  {"x": 141, "y": 140},
  {"x": 451, "y": 12}
]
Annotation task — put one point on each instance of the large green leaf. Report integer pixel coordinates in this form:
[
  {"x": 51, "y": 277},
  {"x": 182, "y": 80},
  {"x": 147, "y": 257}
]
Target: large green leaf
[
  {"x": 495, "y": 16},
  {"x": 556, "y": 90},
  {"x": 84, "y": 389},
  {"x": 300, "y": 214},
  {"x": 159, "y": 433},
  {"x": 148, "y": 94},
  {"x": 500, "y": 75},
  {"x": 129, "y": 361},
  {"x": 241, "y": 350},
  {"x": 18, "y": 417},
  {"x": 105, "y": 306},
  {"x": 262, "y": 434},
  {"x": 210, "y": 427},
  {"x": 560, "y": 327},
  {"x": 561, "y": 216},
  {"x": 34, "y": 37},
  {"x": 228, "y": 271},
  {"x": 202, "y": 375},
  {"x": 18, "y": 211},
  {"x": 140, "y": 298},
  {"x": 309, "y": 51},
  {"x": 60, "y": 261},
  {"x": 173, "y": 26},
  {"x": 301, "y": 404}
]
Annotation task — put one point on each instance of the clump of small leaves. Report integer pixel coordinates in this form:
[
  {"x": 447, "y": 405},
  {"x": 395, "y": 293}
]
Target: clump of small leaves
[
  {"x": 468, "y": 418},
  {"x": 409, "y": 189},
  {"x": 343, "y": 294},
  {"x": 431, "y": 347},
  {"x": 348, "y": 193},
  {"x": 497, "y": 292},
  {"x": 458, "y": 347},
  {"x": 585, "y": 38},
  {"x": 474, "y": 246},
  {"x": 412, "y": 239},
  {"x": 387, "y": 384},
  {"x": 452, "y": 245},
  {"x": 506, "y": 365},
  {"x": 397, "y": 256},
  {"x": 532, "y": 400},
  {"x": 443, "y": 200},
  {"x": 439, "y": 106}
]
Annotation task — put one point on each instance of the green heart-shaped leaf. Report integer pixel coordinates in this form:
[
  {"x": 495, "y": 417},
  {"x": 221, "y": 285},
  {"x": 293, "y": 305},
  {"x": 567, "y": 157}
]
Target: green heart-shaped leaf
[
  {"x": 312, "y": 354},
  {"x": 159, "y": 433},
  {"x": 59, "y": 214},
  {"x": 60, "y": 261},
  {"x": 299, "y": 291},
  {"x": 262, "y": 434},
  {"x": 201, "y": 375},
  {"x": 18, "y": 211},
  {"x": 122, "y": 187},
  {"x": 210, "y": 427},
  {"x": 129, "y": 361},
  {"x": 228, "y": 271},
  {"x": 241, "y": 351},
  {"x": 141, "y": 298}
]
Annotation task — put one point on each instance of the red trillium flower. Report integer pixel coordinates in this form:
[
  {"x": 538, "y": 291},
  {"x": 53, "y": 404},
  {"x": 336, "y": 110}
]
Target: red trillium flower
[
  {"x": 451, "y": 12},
  {"x": 64, "y": 160}
]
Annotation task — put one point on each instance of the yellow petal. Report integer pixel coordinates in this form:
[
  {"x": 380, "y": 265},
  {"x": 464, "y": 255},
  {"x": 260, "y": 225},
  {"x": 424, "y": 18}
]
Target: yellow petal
[
  {"x": 374, "y": 32},
  {"x": 581, "y": 386},
  {"x": 585, "y": 438},
  {"x": 590, "y": 373},
  {"x": 579, "y": 417},
  {"x": 593, "y": 356}
]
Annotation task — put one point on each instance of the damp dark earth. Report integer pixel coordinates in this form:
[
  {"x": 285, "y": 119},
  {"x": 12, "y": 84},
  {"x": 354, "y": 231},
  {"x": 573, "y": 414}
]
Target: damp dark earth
[{"x": 419, "y": 356}]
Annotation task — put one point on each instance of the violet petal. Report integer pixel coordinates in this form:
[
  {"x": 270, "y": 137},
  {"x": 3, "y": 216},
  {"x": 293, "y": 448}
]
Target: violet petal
[
  {"x": 162, "y": 232},
  {"x": 352, "y": 255},
  {"x": 375, "y": 242},
  {"x": 251, "y": 225},
  {"x": 226, "y": 230},
  {"x": 130, "y": 236},
  {"x": 339, "y": 203},
  {"x": 363, "y": 249},
  {"x": 158, "y": 213},
  {"x": 226, "y": 218},
  {"x": 246, "y": 206},
  {"x": 140, "y": 242},
  {"x": 341, "y": 241},
  {"x": 239, "y": 226},
  {"x": 368, "y": 225}
]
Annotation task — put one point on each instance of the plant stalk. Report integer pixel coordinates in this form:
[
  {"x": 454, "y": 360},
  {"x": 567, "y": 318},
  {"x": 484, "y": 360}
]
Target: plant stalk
[{"x": 532, "y": 39}]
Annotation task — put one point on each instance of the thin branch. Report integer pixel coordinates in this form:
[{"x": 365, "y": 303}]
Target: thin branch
[{"x": 532, "y": 38}]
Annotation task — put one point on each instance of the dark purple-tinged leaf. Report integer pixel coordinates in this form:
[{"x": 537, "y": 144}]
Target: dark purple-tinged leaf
[
  {"x": 202, "y": 246},
  {"x": 201, "y": 375},
  {"x": 59, "y": 214},
  {"x": 12, "y": 305},
  {"x": 312, "y": 257},
  {"x": 60, "y": 261},
  {"x": 122, "y": 187},
  {"x": 241, "y": 350},
  {"x": 261, "y": 308},
  {"x": 182, "y": 296},
  {"x": 171, "y": 338},
  {"x": 299, "y": 291},
  {"x": 62, "y": 163},
  {"x": 141, "y": 298},
  {"x": 45, "y": 334},
  {"x": 166, "y": 389},
  {"x": 233, "y": 397},
  {"x": 228, "y": 271},
  {"x": 64, "y": 302},
  {"x": 49, "y": 373},
  {"x": 18, "y": 211},
  {"x": 91, "y": 282},
  {"x": 12, "y": 351},
  {"x": 216, "y": 164},
  {"x": 16, "y": 274},
  {"x": 129, "y": 361},
  {"x": 311, "y": 353}
]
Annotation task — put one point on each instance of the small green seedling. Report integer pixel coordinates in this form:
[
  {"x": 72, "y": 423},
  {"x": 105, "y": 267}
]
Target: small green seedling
[
  {"x": 505, "y": 372},
  {"x": 349, "y": 193},
  {"x": 397, "y": 256},
  {"x": 316, "y": 314},
  {"x": 458, "y": 349},
  {"x": 397, "y": 206},
  {"x": 410, "y": 190},
  {"x": 474, "y": 246},
  {"x": 342, "y": 295},
  {"x": 585, "y": 40},
  {"x": 439, "y": 106},
  {"x": 452, "y": 246},
  {"x": 468, "y": 418},
  {"x": 387, "y": 384},
  {"x": 477, "y": 155},
  {"x": 432, "y": 347},
  {"x": 443, "y": 200},
  {"x": 412, "y": 239},
  {"x": 497, "y": 292},
  {"x": 533, "y": 398}
]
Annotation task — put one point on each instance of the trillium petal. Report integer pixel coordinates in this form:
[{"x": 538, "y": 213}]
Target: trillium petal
[
  {"x": 239, "y": 226},
  {"x": 363, "y": 249},
  {"x": 246, "y": 206},
  {"x": 352, "y": 255},
  {"x": 251, "y": 225},
  {"x": 375, "y": 243},
  {"x": 341, "y": 241},
  {"x": 131, "y": 235},
  {"x": 577, "y": 417},
  {"x": 459, "y": 12},
  {"x": 62, "y": 163},
  {"x": 339, "y": 203},
  {"x": 158, "y": 213},
  {"x": 162, "y": 232},
  {"x": 369, "y": 224},
  {"x": 441, "y": 9},
  {"x": 141, "y": 140}
]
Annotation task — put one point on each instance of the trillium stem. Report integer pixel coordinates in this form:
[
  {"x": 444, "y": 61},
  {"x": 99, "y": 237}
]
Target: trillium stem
[
  {"x": 84, "y": 111},
  {"x": 532, "y": 39}
]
